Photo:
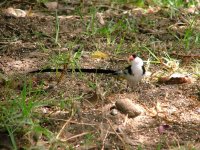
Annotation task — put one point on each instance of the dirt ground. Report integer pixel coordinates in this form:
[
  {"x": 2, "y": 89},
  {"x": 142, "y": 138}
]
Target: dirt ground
[{"x": 91, "y": 120}]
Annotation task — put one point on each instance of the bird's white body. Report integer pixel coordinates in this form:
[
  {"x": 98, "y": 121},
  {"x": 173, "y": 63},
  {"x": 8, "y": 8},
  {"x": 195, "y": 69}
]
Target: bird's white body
[
  {"x": 134, "y": 73},
  {"x": 137, "y": 72}
]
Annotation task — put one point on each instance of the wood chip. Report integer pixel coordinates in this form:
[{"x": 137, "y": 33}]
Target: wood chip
[{"x": 175, "y": 80}]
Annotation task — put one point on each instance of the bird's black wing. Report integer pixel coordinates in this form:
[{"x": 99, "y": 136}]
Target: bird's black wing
[
  {"x": 128, "y": 71},
  {"x": 143, "y": 69}
]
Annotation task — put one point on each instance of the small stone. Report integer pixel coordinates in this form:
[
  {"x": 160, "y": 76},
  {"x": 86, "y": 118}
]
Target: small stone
[
  {"x": 127, "y": 106},
  {"x": 113, "y": 112},
  {"x": 119, "y": 130}
]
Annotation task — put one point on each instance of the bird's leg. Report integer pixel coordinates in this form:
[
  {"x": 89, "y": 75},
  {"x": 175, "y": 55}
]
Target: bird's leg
[
  {"x": 133, "y": 87},
  {"x": 129, "y": 87},
  {"x": 138, "y": 88}
]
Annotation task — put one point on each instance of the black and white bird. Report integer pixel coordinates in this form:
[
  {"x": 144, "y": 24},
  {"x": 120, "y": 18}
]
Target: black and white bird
[{"x": 133, "y": 73}]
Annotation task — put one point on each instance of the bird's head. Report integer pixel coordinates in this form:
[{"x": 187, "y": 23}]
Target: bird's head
[
  {"x": 135, "y": 60},
  {"x": 132, "y": 57}
]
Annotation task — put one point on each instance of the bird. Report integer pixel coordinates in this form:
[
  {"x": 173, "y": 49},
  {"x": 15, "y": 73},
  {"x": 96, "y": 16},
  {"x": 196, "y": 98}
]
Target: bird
[{"x": 134, "y": 72}]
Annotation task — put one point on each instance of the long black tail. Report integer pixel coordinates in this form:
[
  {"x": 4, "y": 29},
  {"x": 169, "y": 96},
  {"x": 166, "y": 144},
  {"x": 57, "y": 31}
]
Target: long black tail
[{"x": 102, "y": 71}]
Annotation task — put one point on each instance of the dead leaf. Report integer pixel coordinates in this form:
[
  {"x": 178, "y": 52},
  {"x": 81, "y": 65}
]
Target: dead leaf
[
  {"x": 192, "y": 10},
  {"x": 158, "y": 107},
  {"x": 162, "y": 128},
  {"x": 163, "y": 79},
  {"x": 29, "y": 13},
  {"x": 157, "y": 110},
  {"x": 185, "y": 58},
  {"x": 15, "y": 12},
  {"x": 152, "y": 112},
  {"x": 91, "y": 98},
  {"x": 137, "y": 11},
  {"x": 99, "y": 54},
  {"x": 100, "y": 18},
  {"x": 175, "y": 79},
  {"x": 152, "y": 10},
  {"x": 51, "y": 5}
]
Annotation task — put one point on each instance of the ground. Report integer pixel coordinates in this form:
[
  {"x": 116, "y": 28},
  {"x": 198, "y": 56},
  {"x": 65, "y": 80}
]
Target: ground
[{"x": 77, "y": 110}]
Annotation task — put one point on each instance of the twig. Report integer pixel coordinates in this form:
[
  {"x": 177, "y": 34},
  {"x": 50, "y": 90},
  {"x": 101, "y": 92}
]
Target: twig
[
  {"x": 75, "y": 122},
  {"x": 82, "y": 123},
  {"x": 63, "y": 127},
  {"x": 78, "y": 135},
  {"x": 105, "y": 138},
  {"x": 116, "y": 133},
  {"x": 125, "y": 120}
]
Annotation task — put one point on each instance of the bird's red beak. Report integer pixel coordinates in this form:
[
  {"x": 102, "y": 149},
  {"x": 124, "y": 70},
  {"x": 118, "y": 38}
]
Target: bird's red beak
[{"x": 131, "y": 58}]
